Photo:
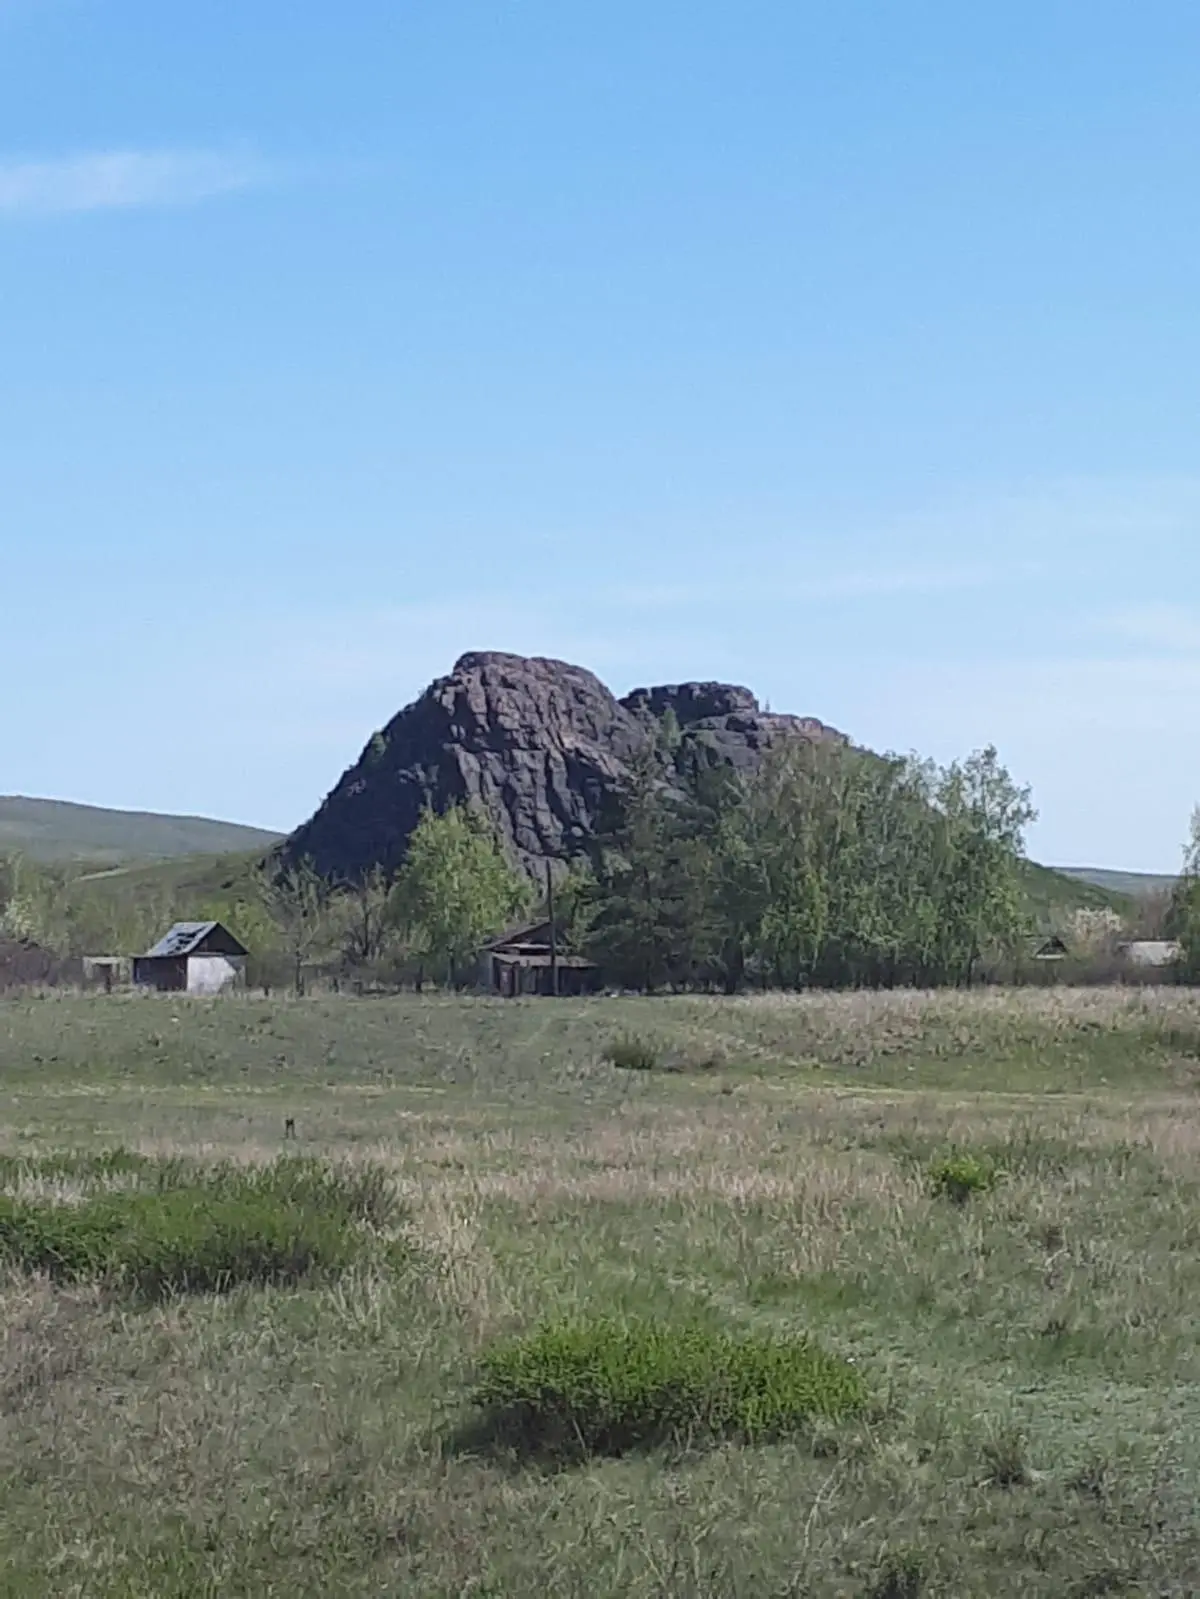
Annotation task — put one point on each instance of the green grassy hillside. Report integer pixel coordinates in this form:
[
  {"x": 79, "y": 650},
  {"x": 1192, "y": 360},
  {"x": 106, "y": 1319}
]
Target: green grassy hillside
[
  {"x": 1053, "y": 894},
  {"x": 56, "y": 830},
  {"x": 1133, "y": 885}
]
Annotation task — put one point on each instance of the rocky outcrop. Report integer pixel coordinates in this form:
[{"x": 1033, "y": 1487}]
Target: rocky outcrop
[
  {"x": 538, "y": 744},
  {"x": 721, "y": 723}
]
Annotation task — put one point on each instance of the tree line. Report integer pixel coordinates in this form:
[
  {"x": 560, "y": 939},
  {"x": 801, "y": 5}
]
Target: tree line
[{"x": 826, "y": 866}]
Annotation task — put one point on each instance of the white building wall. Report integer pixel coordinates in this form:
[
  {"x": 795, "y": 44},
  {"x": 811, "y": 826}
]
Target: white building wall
[{"x": 212, "y": 974}]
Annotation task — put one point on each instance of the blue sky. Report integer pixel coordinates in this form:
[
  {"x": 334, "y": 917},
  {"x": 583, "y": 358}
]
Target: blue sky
[{"x": 849, "y": 351}]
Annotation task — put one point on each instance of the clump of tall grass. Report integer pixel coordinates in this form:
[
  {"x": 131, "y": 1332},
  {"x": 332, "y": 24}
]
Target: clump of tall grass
[
  {"x": 203, "y": 1231},
  {"x": 84, "y": 1166},
  {"x": 958, "y": 1177},
  {"x": 603, "y": 1387},
  {"x": 631, "y": 1052}
]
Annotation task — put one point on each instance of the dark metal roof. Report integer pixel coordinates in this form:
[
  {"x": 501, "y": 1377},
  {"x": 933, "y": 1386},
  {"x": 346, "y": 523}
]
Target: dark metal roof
[{"x": 183, "y": 938}]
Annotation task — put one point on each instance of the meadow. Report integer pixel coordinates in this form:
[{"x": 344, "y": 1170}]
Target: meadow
[{"x": 985, "y": 1205}]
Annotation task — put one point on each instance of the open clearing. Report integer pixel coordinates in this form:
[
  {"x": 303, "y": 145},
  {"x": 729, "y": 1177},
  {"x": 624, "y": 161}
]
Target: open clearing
[{"x": 1031, "y": 1353}]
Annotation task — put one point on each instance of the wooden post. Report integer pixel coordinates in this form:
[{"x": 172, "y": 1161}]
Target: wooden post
[{"x": 553, "y": 931}]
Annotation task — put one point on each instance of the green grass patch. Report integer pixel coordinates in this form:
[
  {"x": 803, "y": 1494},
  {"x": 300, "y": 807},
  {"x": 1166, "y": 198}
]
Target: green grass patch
[
  {"x": 631, "y": 1052},
  {"x": 600, "y": 1387},
  {"x": 284, "y": 1223},
  {"x": 958, "y": 1177},
  {"x": 66, "y": 1165}
]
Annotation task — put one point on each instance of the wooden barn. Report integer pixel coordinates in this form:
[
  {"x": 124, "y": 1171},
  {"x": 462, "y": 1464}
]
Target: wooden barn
[
  {"x": 193, "y": 958},
  {"x": 526, "y": 961}
]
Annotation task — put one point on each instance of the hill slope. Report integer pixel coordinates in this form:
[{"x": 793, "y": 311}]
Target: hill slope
[
  {"x": 57, "y": 830},
  {"x": 1052, "y": 895},
  {"x": 1132, "y": 885}
]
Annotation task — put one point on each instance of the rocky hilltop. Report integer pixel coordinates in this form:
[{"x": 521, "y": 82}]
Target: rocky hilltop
[{"x": 537, "y": 743}]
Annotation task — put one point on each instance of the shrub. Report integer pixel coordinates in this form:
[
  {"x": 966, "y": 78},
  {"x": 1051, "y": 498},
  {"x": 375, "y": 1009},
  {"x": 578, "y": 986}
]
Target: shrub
[
  {"x": 633, "y": 1053},
  {"x": 902, "y": 1576},
  {"x": 959, "y": 1176},
  {"x": 275, "y": 1224},
  {"x": 601, "y": 1387},
  {"x": 1004, "y": 1457}
]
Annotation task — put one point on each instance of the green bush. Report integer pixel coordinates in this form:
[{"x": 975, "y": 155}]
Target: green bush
[
  {"x": 281, "y": 1223},
  {"x": 633, "y": 1053},
  {"x": 957, "y": 1177},
  {"x": 902, "y": 1576},
  {"x": 1005, "y": 1460},
  {"x": 601, "y": 1387}
]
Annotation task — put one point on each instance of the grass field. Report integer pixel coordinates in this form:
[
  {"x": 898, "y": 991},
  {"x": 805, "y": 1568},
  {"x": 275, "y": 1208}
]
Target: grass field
[{"x": 1030, "y": 1354}]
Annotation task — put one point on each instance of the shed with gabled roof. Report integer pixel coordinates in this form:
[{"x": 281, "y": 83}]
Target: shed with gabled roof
[
  {"x": 193, "y": 958},
  {"x": 527, "y": 961}
]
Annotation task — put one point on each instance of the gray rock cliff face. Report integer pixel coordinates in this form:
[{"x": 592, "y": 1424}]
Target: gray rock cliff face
[{"x": 538, "y": 744}]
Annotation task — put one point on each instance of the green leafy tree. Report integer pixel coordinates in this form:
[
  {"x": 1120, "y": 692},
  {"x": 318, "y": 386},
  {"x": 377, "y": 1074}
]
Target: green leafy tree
[
  {"x": 1183, "y": 919},
  {"x": 455, "y": 890},
  {"x": 645, "y": 909},
  {"x": 980, "y": 904},
  {"x": 827, "y": 866}
]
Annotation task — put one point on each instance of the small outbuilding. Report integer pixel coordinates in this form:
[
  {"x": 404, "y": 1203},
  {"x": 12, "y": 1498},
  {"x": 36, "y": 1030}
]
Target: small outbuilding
[
  {"x": 1146, "y": 952},
  {"x": 107, "y": 971},
  {"x": 525, "y": 961},
  {"x": 193, "y": 958},
  {"x": 1053, "y": 948}
]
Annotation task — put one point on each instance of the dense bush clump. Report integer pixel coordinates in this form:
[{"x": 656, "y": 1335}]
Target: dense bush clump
[
  {"x": 902, "y": 1576},
  {"x": 957, "y": 1177},
  {"x": 632, "y": 1053},
  {"x": 281, "y": 1223},
  {"x": 601, "y": 1387}
]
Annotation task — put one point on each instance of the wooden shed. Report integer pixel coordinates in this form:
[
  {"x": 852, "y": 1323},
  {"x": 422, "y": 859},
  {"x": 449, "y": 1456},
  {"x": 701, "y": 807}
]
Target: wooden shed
[
  {"x": 193, "y": 958},
  {"x": 525, "y": 961}
]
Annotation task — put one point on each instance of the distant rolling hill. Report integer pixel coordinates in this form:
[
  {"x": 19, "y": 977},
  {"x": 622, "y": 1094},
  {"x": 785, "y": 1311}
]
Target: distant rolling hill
[
  {"x": 1051, "y": 894},
  {"x": 56, "y": 830},
  {"x": 1130, "y": 885}
]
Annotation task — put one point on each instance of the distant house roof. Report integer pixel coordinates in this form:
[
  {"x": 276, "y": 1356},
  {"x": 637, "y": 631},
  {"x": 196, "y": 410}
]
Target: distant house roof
[
  {"x": 1053, "y": 948},
  {"x": 185, "y": 938}
]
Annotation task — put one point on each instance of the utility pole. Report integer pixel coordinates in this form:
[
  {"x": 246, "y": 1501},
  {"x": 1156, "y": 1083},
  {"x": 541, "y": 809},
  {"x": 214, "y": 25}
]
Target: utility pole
[{"x": 553, "y": 931}]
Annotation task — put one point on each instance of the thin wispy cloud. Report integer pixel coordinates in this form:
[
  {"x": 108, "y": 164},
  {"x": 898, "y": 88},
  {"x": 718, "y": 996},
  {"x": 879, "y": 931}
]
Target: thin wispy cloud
[
  {"x": 113, "y": 180},
  {"x": 1162, "y": 629},
  {"x": 860, "y": 583}
]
